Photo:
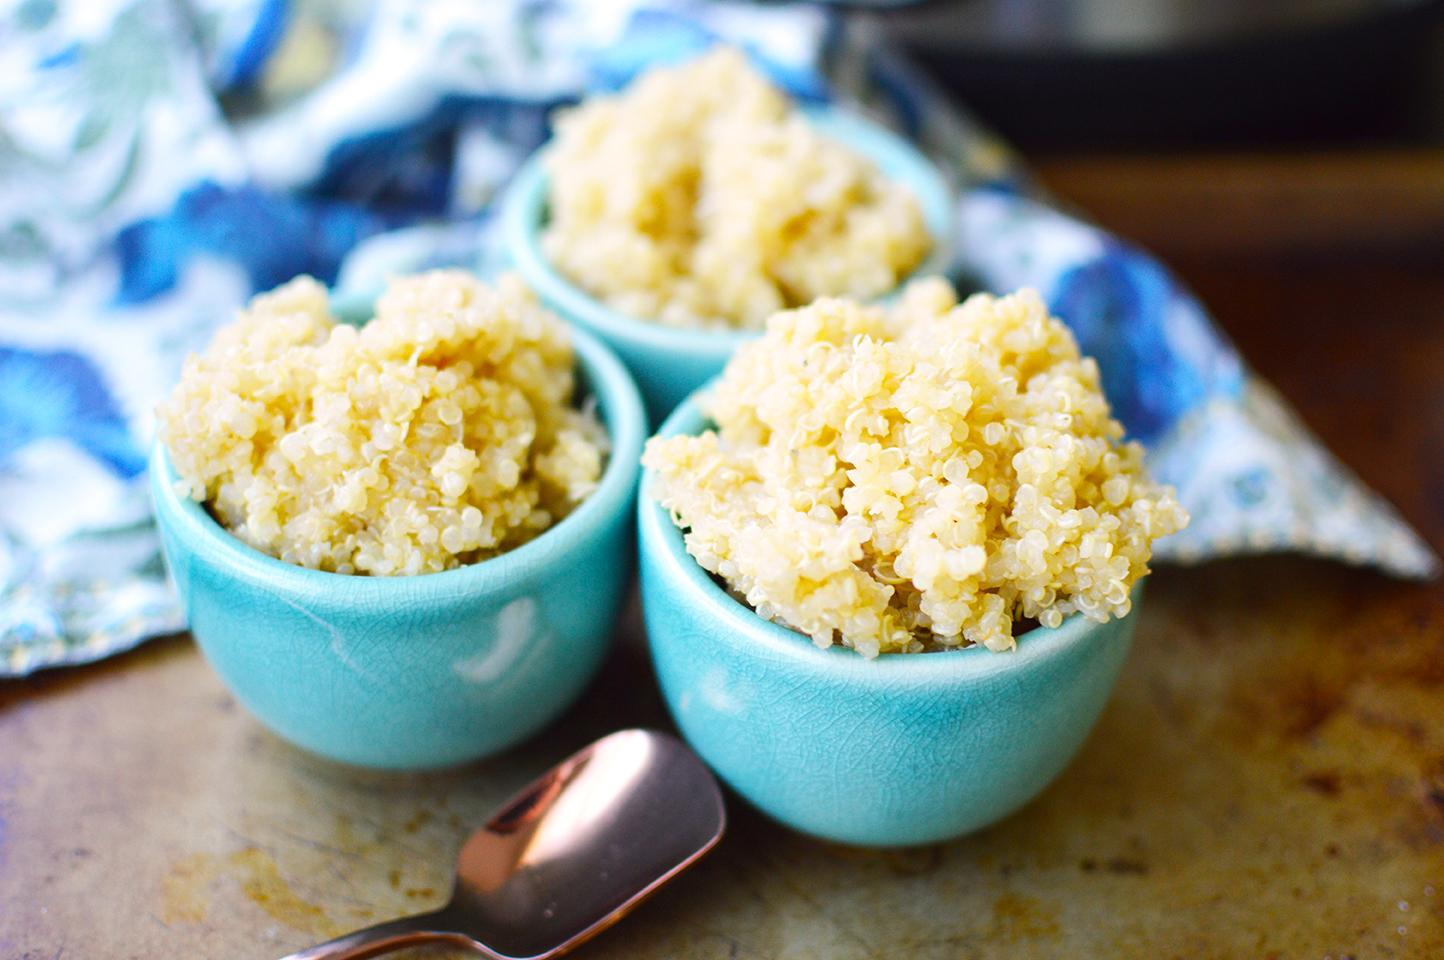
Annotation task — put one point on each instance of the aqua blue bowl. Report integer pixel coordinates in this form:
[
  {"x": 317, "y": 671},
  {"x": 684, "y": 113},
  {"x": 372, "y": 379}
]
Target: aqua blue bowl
[
  {"x": 670, "y": 363},
  {"x": 424, "y": 671},
  {"x": 902, "y": 750}
]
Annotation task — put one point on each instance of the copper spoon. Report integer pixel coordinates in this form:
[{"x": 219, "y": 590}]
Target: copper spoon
[{"x": 568, "y": 856}]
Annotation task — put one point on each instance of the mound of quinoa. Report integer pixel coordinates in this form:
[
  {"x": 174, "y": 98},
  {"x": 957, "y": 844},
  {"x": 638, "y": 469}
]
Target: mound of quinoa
[
  {"x": 915, "y": 478},
  {"x": 699, "y": 198},
  {"x": 440, "y": 433}
]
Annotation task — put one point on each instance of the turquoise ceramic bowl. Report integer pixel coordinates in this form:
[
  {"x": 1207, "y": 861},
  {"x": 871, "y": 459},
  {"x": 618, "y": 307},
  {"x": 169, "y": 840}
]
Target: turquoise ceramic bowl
[
  {"x": 670, "y": 363},
  {"x": 905, "y": 749},
  {"x": 424, "y": 671}
]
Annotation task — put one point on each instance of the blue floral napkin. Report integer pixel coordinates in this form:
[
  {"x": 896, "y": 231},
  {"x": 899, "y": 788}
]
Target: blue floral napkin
[{"x": 161, "y": 160}]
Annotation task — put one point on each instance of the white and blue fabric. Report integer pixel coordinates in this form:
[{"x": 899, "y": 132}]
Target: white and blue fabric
[{"x": 161, "y": 160}]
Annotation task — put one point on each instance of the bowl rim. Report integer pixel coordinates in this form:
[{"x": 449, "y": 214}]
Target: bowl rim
[
  {"x": 523, "y": 205},
  {"x": 757, "y": 637},
  {"x": 624, "y": 418}
]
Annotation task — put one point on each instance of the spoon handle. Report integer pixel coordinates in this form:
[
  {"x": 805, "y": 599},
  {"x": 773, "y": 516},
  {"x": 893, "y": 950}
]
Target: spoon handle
[{"x": 389, "y": 936}]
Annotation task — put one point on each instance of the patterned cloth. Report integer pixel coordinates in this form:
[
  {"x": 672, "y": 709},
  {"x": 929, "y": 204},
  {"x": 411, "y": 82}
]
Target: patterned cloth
[{"x": 161, "y": 160}]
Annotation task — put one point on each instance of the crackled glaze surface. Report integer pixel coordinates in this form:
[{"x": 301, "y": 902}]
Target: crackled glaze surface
[
  {"x": 426, "y": 671},
  {"x": 896, "y": 751}
]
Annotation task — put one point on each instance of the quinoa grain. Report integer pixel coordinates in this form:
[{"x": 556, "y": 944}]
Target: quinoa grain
[
  {"x": 699, "y": 198},
  {"x": 915, "y": 477},
  {"x": 438, "y": 434}
]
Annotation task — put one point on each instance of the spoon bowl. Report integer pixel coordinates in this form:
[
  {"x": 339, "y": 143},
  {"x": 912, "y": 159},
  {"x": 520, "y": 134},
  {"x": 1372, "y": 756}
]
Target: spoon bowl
[{"x": 568, "y": 856}]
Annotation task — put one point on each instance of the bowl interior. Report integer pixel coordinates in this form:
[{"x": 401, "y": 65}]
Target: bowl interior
[
  {"x": 957, "y": 665},
  {"x": 524, "y": 214},
  {"x": 600, "y": 376}
]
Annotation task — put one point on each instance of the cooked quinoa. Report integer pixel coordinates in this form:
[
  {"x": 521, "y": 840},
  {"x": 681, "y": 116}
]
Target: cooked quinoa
[
  {"x": 438, "y": 434},
  {"x": 699, "y": 198},
  {"x": 916, "y": 477}
]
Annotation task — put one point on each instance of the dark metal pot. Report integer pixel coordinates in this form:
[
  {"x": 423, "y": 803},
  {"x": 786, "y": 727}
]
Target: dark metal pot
[{"x": 1151, "y": 74}]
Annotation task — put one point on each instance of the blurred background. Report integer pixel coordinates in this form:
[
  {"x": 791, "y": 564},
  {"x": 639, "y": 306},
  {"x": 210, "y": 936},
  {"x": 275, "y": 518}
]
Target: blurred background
[
  {"x": 1187, "y": 125},
  {"x": 1067, "y": 75},
  {"x": 1213, "y": 127}
]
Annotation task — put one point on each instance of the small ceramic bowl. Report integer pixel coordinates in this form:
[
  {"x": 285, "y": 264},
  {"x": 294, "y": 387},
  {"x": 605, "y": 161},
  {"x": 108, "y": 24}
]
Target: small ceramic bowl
[
  {"x": 422, "y": 671},
  {"x": 905, "y": 749},
  {"x": 670, "y": 363}
]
